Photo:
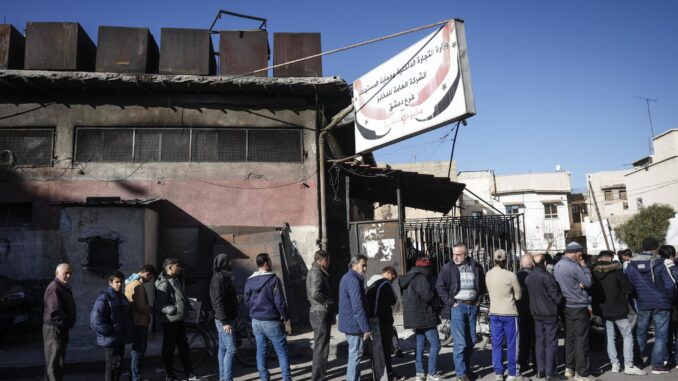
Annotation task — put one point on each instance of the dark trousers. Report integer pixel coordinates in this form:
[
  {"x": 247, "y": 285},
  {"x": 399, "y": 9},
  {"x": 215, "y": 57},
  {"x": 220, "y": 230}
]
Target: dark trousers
[
  {"x": 577, "y": 340},
  {"x": 546, "y": 339},
  {"x": 55, "y": 341},
  {"x": 114, "y": 357},
  {"x": 526, "y": 342},
  {"x": 387, "y": 345},
  {"x": 173, "y": 336},
  {"x": 139, "y": 342},
  {"x": 321, "y": 322}
]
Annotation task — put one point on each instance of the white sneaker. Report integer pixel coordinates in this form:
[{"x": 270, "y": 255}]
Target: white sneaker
[
  {"x": 434, "y": 377},
  {"x": 634, "y": 371},
  {"x": 420, "y": 377},
  {"x": 569, "y": 373},
  {"x": 615, "y": 368},
  {"x": 498, "y": 377}
]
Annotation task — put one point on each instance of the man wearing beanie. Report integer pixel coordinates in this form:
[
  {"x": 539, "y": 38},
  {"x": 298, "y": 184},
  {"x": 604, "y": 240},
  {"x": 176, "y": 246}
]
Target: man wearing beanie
[
  {"x": 504, "y": 289},
  {"x": 420, "y": 313},
  {"x": 574, "y": 279},
  {"x": 654, "y": 294}
]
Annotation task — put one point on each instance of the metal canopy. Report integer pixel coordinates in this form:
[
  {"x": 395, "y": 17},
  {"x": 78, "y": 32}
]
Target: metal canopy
[{"x": 420, "y": 191}]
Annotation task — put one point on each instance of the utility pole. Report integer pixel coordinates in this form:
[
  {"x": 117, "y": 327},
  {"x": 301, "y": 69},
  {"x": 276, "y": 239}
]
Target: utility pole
[
  {"x": 649, "y": 114},
  {"x": 595, "y": 203}
]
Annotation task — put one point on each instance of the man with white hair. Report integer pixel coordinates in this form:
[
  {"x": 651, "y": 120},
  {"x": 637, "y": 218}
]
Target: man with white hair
[{"x": 58, "y": 318}]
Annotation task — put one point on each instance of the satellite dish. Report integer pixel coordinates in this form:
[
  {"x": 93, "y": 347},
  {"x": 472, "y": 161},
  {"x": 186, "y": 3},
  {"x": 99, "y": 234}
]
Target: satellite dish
[{"x": 558, "y": 168}]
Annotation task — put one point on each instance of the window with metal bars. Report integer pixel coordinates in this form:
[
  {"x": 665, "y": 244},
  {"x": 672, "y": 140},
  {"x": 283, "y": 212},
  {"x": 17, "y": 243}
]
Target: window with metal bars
[
  {"x": 27, "y": 146},
  {"x": 188, "y": 144},
  {"x": 16, "y": 214}
]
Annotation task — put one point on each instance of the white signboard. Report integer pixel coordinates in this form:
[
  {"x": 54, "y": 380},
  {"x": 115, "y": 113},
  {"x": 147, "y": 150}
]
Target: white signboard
[{"x": 426, "y": 86}]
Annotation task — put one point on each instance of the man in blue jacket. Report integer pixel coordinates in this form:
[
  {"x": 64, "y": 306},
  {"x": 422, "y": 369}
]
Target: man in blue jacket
[
  {"x": 111, "y": 319},
  {"x": 460, "y": 285},
  {"x": 268, "y": 311},
  {"x": 654, "y": 294},
  {"x": 575, "y": 279},
  {"x": 353, "y": 314}
]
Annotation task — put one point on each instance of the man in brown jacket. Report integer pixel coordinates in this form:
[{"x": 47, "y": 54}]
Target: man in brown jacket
[
  {"x": 142, "y": 311},
  {"x": 58, "y": 319}
]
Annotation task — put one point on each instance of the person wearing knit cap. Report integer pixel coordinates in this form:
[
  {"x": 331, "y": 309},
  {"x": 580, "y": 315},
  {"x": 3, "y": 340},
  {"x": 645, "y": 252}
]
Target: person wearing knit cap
[
  {"x": 504, "y": 289},
  {"x": 655, "y": 291},
  {"x": 575, "y": 278},
  {"x": 420, "y": 313}
]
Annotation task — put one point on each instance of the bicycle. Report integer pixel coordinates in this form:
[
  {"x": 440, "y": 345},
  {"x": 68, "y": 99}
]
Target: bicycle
[{"x": 482, "y": 327}]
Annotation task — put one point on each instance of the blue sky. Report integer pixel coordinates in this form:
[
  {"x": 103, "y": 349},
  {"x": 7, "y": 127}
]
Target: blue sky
[{"x": 554, "y": 81}]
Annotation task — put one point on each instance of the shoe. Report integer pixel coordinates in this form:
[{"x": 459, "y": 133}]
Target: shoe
[
  {"x": 420, "y": 377},
  {"x": 396, "y": 377},
  {"x": 434, "y": 377},
  {"x": 517, "y": 378},
  {"x": 615, "y": 368},
  {"x": 499, "y": 377},
  {"x": 633, "y": 371},
  {"x": 569, "y": 373},
  {"x": 660, "y": 370},
  {"x": 584, "y": 378}
]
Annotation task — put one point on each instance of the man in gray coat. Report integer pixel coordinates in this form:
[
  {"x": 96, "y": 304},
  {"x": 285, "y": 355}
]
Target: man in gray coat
[{"x": 321, "y": 312}]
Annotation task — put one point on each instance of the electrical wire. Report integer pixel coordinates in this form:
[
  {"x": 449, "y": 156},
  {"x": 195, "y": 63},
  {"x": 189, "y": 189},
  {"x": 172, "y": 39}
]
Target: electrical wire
[{"x": 302, "y": 180}]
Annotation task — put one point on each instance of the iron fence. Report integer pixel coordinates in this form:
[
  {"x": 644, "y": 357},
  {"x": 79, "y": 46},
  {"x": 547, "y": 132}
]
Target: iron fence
[{"x": 435, "y": 237}]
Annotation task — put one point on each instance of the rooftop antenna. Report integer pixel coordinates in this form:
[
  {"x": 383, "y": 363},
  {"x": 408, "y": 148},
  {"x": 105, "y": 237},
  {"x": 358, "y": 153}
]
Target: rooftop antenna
[{"x": 649, "y": 114}]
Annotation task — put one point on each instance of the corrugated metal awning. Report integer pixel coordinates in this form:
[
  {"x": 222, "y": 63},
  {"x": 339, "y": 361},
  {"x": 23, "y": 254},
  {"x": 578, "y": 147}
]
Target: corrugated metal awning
[{"x": 420, "y": 191}]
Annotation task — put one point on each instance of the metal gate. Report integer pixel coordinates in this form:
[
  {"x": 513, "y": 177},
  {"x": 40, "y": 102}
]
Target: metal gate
[{"x": 435, "y": 238}]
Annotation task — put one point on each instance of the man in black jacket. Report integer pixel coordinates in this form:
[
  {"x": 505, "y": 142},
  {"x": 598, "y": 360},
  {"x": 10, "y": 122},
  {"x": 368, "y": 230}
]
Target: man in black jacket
[
  {"x": 321, "y": 312},
  {"x": 58, "y": 319},
  {"x": 225, "y": 304},
  {"x": 610, "y": 292},
  {"x": 545, "y": 299},
  {"x": 461, "y": 285},
  {"x": 420, "y": 313},
  {"x": 526, "y": 322},
  {"x": 380, "y": 299}
]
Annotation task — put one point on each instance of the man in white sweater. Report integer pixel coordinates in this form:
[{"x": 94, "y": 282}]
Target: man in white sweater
[{"x": 504, "y": 289}]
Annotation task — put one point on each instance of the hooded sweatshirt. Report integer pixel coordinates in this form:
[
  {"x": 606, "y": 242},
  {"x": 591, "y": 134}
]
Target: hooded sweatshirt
[
  {"x": 610, "y": 291},
  {"x": 652, "y": 281},
  {"x": 420, "y": 301},
  {"x": 264, "y": 297},
  {"x": 170, "y": 299},
  {"x": 222, "y": 292}
]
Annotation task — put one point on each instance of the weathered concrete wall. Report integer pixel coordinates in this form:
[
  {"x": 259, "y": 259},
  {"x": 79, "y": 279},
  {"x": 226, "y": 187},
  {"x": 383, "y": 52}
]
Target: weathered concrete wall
[
  {"x": 123, "y": 223},
  {"x": 29, "y": 254}
]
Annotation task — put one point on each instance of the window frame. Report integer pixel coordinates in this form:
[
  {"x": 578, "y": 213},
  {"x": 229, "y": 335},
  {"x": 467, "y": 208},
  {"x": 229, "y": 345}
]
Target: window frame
[
  {"x": 550, "y": 215},
  {"x": 52, "y": 142},
  {"x": 299, "y": 131}
]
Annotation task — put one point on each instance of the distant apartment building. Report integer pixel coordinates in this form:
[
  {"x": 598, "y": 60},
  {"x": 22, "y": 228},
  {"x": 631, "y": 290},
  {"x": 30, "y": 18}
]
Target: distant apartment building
[
  {"x": 541, "y": 197},
  {"x": 609, "y": 190},
  {"x": 654, "y": 179}
]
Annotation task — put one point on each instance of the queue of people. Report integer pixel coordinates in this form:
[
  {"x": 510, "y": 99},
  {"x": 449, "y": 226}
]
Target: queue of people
[{"x": 627, "y": 296}]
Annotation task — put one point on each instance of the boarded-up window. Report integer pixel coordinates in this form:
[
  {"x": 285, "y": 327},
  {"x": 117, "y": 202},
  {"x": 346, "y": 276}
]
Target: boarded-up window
[
  {"x": 102, "y": 254},
  {"x": 30, "y": 146}
]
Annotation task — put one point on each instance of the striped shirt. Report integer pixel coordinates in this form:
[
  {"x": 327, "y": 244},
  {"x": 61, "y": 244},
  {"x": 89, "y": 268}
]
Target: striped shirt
[{"x": 467, "y": 284}]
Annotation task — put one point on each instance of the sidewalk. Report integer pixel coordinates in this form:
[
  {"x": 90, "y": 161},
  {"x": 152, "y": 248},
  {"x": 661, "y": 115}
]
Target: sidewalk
[{"x": 25, "y": 361}]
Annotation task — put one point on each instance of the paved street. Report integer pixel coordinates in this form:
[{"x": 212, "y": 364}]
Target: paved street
[{"x": 301, "y": 360}]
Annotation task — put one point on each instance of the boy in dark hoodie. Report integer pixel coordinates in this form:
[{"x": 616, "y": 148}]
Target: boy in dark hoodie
[
  {"x": 610, "y": 293},
  {"x": 268, "y": 311},
  {"x": 668, "y": 254},
  {"x": 225, "y": 304},
  {"x": 655, "y": 291}
]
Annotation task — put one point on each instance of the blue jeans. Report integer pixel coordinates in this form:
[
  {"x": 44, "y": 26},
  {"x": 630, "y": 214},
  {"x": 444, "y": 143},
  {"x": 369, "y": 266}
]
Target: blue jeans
[
  {"x": 504, "y": 327},
  {"x": 661, "y": 332},
  {"x": 464, "y": 332},
  {"x": 627, "y": 336},
  {"x": 355, "y": 353},
  {"x": 272, "y": 331},
  {"x": 139, "y": 341},
  {"x": 430, "y": 335},
  {"x": 226, "y": 351}
]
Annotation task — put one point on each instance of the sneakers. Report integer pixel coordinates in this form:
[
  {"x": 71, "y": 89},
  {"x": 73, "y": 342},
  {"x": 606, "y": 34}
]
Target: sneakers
[
  {"x": 615, "y": 368},
  {"x": 584, "y": 378},
  {"x": 634, "y": 371},
  {"x": 660, "y": 370},
  {"x": 499, "y": 377},
  {"x": 434, "y": 377},
  {"x": 517, "y": 378},
  {"x": 420, "y": 377},
  {"x": 569, "y": 373}
]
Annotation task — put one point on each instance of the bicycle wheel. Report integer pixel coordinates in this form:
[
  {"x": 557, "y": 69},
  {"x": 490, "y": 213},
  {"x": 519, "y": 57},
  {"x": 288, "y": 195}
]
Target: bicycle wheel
[{"x": 198, "y": 349}]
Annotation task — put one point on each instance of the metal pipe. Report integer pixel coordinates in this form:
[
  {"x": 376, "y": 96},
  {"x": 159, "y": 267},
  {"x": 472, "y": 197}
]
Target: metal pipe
[{"x": 321, "y": 153}]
